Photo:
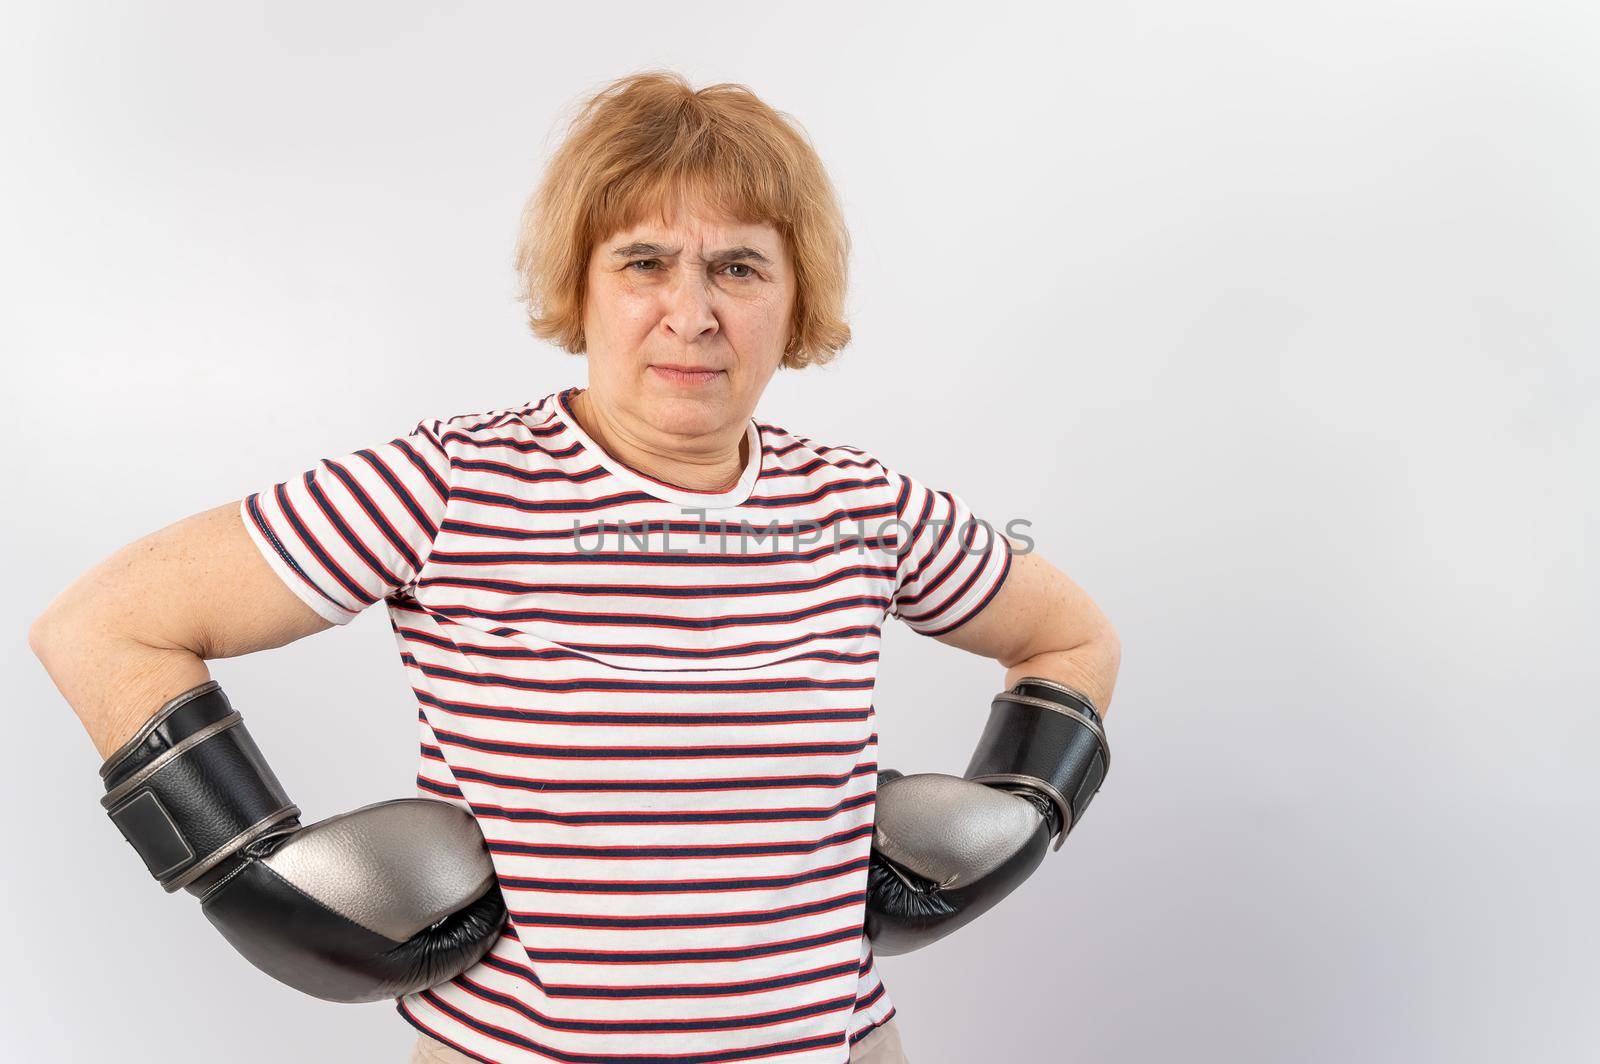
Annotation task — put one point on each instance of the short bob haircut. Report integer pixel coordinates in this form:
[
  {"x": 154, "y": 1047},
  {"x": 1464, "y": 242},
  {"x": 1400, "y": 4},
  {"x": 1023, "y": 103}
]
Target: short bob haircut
[{"x": 649, "y": 144}]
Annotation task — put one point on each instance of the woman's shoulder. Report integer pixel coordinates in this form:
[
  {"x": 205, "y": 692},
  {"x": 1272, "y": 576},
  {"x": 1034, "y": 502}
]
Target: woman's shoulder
[
  {"x": 528, "y": 421},
  {"x": 798, "y": 453}
]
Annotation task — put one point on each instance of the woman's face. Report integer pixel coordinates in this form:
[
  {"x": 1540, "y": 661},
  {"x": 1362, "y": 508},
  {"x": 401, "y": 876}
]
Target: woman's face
[{"x": 686, "y": 320}]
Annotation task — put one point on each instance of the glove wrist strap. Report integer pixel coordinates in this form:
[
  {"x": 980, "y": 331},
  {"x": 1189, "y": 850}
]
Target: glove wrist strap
[
  {"x": 1048, "y": 738},
  {"x": 191, "y": 788}
]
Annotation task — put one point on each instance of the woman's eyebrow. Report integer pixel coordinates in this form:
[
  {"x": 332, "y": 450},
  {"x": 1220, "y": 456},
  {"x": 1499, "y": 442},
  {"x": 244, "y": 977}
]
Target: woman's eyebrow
[
  {"x": 644, "y": 249},
  {"x": 741, "y": 253},
  {"x": 641, "y": 249}
]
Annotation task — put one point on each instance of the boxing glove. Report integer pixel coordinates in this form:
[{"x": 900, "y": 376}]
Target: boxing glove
[
  {"x": 947, "y": 849},
  {"x": 377, "y": 903}
]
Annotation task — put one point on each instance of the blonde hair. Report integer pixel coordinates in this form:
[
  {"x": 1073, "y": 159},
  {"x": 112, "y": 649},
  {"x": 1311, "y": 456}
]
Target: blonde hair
[{"x": 649, "y": 143}]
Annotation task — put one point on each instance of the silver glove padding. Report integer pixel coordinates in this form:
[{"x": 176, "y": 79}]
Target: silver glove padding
[
  {"x": 377, "y": 903},
  {"x": 949, "y": 831},
  {"x": 947, "y": 849}
]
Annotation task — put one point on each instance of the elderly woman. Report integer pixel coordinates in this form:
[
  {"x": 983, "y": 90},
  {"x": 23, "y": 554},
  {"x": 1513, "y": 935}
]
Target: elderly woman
[{"x": 642, "y": 628}]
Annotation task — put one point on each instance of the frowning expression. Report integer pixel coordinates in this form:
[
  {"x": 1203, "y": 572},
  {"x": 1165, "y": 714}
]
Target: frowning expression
[{"x": 687, "y": 319}]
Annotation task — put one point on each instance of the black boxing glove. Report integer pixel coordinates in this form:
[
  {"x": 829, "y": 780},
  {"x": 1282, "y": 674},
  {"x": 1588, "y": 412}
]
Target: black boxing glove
[
  {"x": 377, "y": 903},
  {"x": 946, "y": 849}
]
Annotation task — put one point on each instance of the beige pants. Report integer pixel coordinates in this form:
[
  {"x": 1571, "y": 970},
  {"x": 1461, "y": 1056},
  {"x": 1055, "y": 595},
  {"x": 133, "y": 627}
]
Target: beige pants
[{"x": 882, "y": 1046}]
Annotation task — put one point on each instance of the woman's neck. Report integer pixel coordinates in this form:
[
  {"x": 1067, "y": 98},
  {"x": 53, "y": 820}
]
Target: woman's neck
[{"x": 692, "y": 470}]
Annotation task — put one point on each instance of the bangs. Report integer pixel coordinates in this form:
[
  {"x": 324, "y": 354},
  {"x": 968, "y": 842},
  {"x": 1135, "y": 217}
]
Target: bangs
[{"x": 708, "y": 174}]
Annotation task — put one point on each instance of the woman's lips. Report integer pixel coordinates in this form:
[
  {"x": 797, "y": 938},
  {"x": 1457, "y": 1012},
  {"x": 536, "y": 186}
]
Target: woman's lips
[{"x": 680, "y": 375}]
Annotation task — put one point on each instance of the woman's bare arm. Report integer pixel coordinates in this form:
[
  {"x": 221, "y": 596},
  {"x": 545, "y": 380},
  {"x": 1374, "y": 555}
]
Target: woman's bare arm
[
  {"x": 1042, "y": 624},
  {"x": 138, "y": 628}
]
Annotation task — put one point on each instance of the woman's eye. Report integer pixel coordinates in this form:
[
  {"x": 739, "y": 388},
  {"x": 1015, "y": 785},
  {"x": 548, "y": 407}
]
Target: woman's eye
[
  {"x": 741, "y": 266},
  {"x": 641, "y": 262}
]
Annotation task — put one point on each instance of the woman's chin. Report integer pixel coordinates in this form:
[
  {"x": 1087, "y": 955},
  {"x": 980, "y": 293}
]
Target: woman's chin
[{"x": 688, "y": 415}]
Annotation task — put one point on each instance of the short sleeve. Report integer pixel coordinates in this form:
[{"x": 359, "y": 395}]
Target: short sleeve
[
  {"x": 358, "y": 528},
  {"x": 949, "y": 562}
]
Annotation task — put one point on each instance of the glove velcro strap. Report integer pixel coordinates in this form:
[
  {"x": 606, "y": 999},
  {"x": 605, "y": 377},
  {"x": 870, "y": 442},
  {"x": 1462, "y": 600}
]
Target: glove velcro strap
[
  {"x": 1048, "y": 738},
  {"x": 191, "y": 788}
]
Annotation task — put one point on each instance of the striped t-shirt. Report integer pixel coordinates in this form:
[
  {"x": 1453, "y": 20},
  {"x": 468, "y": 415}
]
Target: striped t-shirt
[{"x": 657, "y": 703}]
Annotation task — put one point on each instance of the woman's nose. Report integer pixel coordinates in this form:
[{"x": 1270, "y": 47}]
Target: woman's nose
[{"x": 689, "y": 312}]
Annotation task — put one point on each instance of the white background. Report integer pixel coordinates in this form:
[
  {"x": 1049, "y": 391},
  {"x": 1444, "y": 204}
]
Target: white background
[{"x": 1278, "y": 320}]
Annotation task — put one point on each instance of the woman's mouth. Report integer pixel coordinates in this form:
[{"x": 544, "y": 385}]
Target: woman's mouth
[{"x": 686, "y": 374}]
